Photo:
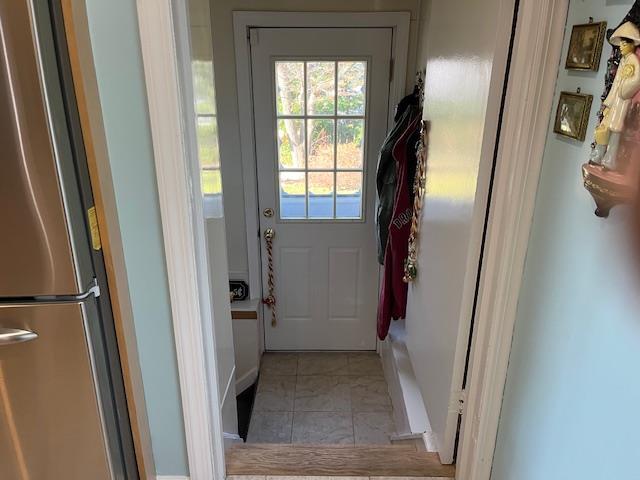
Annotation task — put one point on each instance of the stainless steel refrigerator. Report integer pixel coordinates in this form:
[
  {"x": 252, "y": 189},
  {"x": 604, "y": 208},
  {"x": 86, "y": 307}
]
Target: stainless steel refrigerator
[{"x": 63, "y": 412}]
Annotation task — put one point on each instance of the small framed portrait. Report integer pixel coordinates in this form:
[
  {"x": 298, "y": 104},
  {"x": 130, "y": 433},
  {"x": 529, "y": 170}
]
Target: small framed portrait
[
  {"x": 585, "y": 46},
  {"x": 572, "y": 116}
]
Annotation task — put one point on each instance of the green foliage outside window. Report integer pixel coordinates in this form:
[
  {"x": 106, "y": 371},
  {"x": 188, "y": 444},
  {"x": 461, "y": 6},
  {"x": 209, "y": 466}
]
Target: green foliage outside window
[{"x": 206, "y": 127}]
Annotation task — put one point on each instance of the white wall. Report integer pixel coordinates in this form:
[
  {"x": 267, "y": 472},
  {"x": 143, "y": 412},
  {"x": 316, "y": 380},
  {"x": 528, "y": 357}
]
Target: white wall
[
  {"x": 223, "y": 328},
  {"x": 570, "y": 409},
  {"x": 246, "y": 341},
  {"x": 463, "y": 85},
  {"x": 421, "y": 45},
  {"x": 201, "y": 46},
  {"x": 229, "y": 127}
]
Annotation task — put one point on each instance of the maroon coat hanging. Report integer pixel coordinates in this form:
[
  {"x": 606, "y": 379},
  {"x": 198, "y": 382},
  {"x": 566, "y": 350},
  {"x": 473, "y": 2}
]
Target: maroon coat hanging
[{"x": 393, "y": 292}]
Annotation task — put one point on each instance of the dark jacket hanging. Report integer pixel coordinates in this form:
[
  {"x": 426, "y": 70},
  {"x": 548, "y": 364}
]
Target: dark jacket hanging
[{"x": 386, "y": 177}]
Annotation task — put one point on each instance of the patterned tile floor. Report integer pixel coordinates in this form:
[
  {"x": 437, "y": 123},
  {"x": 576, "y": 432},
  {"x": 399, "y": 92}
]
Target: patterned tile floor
[{"x": 321, "y": 398}]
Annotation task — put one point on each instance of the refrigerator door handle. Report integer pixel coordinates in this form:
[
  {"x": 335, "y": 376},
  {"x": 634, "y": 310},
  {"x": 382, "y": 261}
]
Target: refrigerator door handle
[
  {"x": 11, "y": 336},
  {"x": 93, "y": 291}
]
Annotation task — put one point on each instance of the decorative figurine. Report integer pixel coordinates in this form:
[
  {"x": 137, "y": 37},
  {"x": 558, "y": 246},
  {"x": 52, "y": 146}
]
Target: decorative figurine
[
  {"x": 626, "y": 84},
  {"x": 610, "y": 174}
]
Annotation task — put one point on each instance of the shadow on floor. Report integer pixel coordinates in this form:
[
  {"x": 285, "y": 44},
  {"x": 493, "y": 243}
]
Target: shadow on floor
[{"x": 244, "y": 402}]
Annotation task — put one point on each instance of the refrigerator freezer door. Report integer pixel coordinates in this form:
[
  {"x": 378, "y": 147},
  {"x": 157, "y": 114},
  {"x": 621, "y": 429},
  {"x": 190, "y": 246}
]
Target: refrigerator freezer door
[
  {"x": 50, "y": 419},
  {"x": 36, "y": 256}
]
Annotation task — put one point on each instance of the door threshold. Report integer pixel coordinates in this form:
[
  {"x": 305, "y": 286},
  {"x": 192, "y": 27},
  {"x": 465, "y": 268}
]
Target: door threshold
[{"x": 335, "y": 461}]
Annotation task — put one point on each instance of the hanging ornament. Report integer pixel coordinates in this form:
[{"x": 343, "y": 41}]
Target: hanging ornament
[{"x": 419, "y": 184}]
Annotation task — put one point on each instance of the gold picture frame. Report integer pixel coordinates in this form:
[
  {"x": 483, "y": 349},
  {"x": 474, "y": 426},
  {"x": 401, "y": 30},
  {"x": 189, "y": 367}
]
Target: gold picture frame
[
  {"x": 572, "y": 115},
  {"x": 585, "y": 46}
]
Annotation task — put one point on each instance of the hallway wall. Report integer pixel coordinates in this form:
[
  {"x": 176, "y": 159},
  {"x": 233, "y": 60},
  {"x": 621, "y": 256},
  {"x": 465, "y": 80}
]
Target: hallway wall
[
  {"x": 463, "y": 85},
  {"x": 570, "y": 405},
  {"x": 116, "y": 46},
  {"x": 227, "y": 103}
]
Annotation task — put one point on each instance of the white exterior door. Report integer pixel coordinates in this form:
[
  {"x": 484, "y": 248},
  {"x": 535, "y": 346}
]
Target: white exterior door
[{"x": 321, "y": 109}]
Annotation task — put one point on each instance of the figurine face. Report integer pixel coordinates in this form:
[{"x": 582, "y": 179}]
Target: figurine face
[{"x": 626, "y": 47}]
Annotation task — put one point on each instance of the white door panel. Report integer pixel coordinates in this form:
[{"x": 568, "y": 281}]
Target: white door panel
[{"x": 320, "y": 108}]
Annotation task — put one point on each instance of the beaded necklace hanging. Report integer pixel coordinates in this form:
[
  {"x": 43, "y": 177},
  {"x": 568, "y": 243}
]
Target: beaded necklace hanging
[{"x": 411, "y": 263}]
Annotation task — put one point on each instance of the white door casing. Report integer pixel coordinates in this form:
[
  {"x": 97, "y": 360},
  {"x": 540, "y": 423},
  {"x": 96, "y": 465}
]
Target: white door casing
[
  {"x": 165, "y": 45},
  {"x": 528, "y": 106},
  {"x": 324, "y": 251}
]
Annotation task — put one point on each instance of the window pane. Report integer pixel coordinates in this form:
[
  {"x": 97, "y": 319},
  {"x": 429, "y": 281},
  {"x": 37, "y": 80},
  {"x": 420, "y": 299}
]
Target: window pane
[
  {"x": 292, "y": 195},
  {"x": 211, "y": 182},
  {"x": 321, "y": 139},
  {"x": 289, "y": 88},
  {"x": 349, "y": 195},
  {"x": 351, "y": 87},
  {"x": 207, "y": 133},
  {"x": 205, "y": 99},
  {"x": 320, "y": 194},
  {"x": 321, "y": 88},
  {"x": 291, "y": 143},
  {"x": 350, "y": 143}
]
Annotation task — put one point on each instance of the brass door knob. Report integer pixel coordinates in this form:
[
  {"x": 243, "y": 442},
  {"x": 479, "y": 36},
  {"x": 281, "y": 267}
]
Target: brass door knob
[{"x": 269, "y": 233}]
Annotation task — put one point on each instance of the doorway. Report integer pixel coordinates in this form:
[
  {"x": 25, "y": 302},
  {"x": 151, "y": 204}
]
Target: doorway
[
  {"x": 320, "y": 112},
  {"x": 244, "y": 98}
]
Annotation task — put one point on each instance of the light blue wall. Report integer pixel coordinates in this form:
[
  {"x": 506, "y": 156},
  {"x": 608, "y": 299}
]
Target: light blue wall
[
  {"x": 115, "y": 41},
  {"x": 572, "y": 395}
]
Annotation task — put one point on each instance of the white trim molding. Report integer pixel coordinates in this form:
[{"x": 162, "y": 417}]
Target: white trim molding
[
  {"x": 171, "y": 477},
  {"x": 246, "y": 380},
  {"x": 528, "y": 104},
  {"x": 242, "y": 22},
  {"x": 165, "y": 45}
]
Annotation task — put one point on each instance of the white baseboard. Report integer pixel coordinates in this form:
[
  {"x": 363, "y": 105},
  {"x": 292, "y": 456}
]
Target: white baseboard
[
  {"x": 231, "y": 439},
  {"x": 400, "y": 417},
  {"x": 410, "y": 415},
  {"x": 171, "y": 477},
  {"x": 430, "y": 441},
  {"x": 246, "y": 380}
]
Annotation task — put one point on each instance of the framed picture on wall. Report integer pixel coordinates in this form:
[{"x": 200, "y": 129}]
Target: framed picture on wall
[
  {"x": 585, "y": 46},
  {"x": 572, "y": 116}
]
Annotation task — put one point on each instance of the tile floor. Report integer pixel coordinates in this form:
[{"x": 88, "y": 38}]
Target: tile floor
[{"x": 321, "y": 398}]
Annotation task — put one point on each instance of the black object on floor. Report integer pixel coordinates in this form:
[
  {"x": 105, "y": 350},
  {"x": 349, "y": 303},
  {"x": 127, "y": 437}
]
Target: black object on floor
[{"x": 245, "y": 407}]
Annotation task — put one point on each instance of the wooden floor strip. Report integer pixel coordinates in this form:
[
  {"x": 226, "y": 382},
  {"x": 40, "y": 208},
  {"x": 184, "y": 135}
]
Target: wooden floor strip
[{"x": 324, "y": 460}]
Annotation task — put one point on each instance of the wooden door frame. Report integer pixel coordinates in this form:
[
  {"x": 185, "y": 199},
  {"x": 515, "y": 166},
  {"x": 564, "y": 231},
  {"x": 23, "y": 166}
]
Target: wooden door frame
[
  {"x": 242, "y": 21},
  {"x": 528, "y": 104}
]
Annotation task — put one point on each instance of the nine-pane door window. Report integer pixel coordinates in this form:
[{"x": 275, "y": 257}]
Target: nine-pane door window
[{"x": 321, "y": 118}]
